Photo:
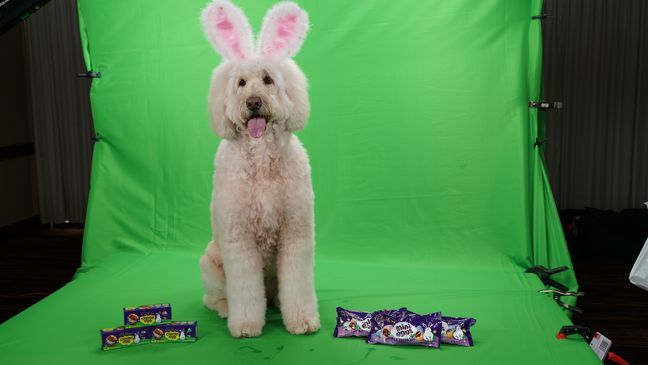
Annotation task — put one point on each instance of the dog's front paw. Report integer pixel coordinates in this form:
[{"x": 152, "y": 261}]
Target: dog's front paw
[
  {"x": 244, "y": 328},
  {"x": 302, "y": 324}
]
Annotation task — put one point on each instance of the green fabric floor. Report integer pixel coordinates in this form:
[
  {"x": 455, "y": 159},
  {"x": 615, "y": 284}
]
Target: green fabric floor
[
  {"x": 515, "y": 324},
  {"x": 429, "y": 192}
]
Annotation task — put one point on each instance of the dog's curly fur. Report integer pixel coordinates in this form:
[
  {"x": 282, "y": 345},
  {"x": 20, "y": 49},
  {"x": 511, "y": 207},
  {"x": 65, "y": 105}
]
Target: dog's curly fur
[{"x": 262, "y": 204}]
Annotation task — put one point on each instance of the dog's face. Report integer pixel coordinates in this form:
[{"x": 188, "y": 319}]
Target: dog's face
[
  {"x": 255, "y": 97},
  {"x": 256, "y": 92}
]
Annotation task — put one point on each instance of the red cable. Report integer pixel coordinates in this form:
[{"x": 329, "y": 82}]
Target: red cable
[{"x": 617, "y": 359}]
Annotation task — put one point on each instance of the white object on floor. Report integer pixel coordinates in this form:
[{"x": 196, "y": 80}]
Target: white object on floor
[
  {"x": 601, "y": 345},
  {"x": 639, "y": 272}
]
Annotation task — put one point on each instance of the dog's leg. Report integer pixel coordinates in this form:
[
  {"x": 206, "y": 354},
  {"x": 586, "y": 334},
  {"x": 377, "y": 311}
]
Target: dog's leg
[
  {"x": 243, "y": 266},
  {"x": 213, "y": 278},
  {"x": 297, "y": 298}
]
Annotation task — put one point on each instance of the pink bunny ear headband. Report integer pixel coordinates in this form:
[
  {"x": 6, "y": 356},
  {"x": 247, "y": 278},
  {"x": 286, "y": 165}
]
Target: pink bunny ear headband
[{"x": 284, "y": 28}]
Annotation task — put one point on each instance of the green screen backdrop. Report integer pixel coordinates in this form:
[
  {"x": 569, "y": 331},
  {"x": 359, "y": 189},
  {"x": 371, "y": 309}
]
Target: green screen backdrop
[{"x": 429, "y": 192}]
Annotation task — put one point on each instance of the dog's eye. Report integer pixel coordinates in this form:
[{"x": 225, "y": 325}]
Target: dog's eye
[
  {"x": 241, "y": 82},
  {"x": 268, "y": 80}
]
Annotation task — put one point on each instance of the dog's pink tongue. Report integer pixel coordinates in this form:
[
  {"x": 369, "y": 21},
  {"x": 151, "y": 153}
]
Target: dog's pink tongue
[{"x": 256, "y": 127}]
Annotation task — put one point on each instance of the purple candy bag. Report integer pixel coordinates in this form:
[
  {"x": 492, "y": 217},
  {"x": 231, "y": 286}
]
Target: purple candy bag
[
  {"x": 405, "y": 328},
  {"x": 356, "y": 324},
  {"x": 456, "y": 331},
  {"x": 352, "y": 323}
]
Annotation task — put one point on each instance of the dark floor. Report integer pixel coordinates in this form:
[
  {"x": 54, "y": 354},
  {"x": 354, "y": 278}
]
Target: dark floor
[
  {"x": 603, "y": 245},
  {"x": 36, "y": 260},
  {"x": 614, "y": 307}
]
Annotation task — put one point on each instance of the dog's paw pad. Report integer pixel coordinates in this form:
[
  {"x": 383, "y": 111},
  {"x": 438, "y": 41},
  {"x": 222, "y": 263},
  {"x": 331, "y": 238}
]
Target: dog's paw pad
[
  {"x": 245, "y": 330},
  {"x": 303, "y": 326},
  {"x": 216, "y": 304}
]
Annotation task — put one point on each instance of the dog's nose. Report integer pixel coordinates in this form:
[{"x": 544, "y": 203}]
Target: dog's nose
[{"x": 254, "y": 103}]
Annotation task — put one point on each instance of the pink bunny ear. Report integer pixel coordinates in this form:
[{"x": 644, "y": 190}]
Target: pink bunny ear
[
  {"x": 284, "y": 29},
  {"x": 228, "y": 30}
]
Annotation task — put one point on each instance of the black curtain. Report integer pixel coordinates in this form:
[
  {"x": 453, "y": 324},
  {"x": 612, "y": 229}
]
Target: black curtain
[
  {"x": 596, "y": 62},
  {"x": 62, "y": 119}
]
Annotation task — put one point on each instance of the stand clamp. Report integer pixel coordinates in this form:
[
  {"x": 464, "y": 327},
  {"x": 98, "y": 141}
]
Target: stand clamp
[
  {"x": 544, "y": 105},
  {"x": 599, "y": 343},
  {"x": 557, "y": 295},
  {"x": 539, "y": 142},
  {"x": 545, "y": 274},
  {"x": 90, "y": 74}
]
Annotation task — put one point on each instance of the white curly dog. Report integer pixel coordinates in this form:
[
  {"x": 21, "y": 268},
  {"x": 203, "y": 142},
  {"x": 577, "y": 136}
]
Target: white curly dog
[{"x": 262, "y": 203}]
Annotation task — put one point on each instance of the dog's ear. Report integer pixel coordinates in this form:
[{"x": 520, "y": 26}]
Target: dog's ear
[
  {"x": 284, "y": 28},
  {"x": 221, "y": 125},
  {"x": 228, "y": 30},
  {"x": 297, "y": 92}
]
